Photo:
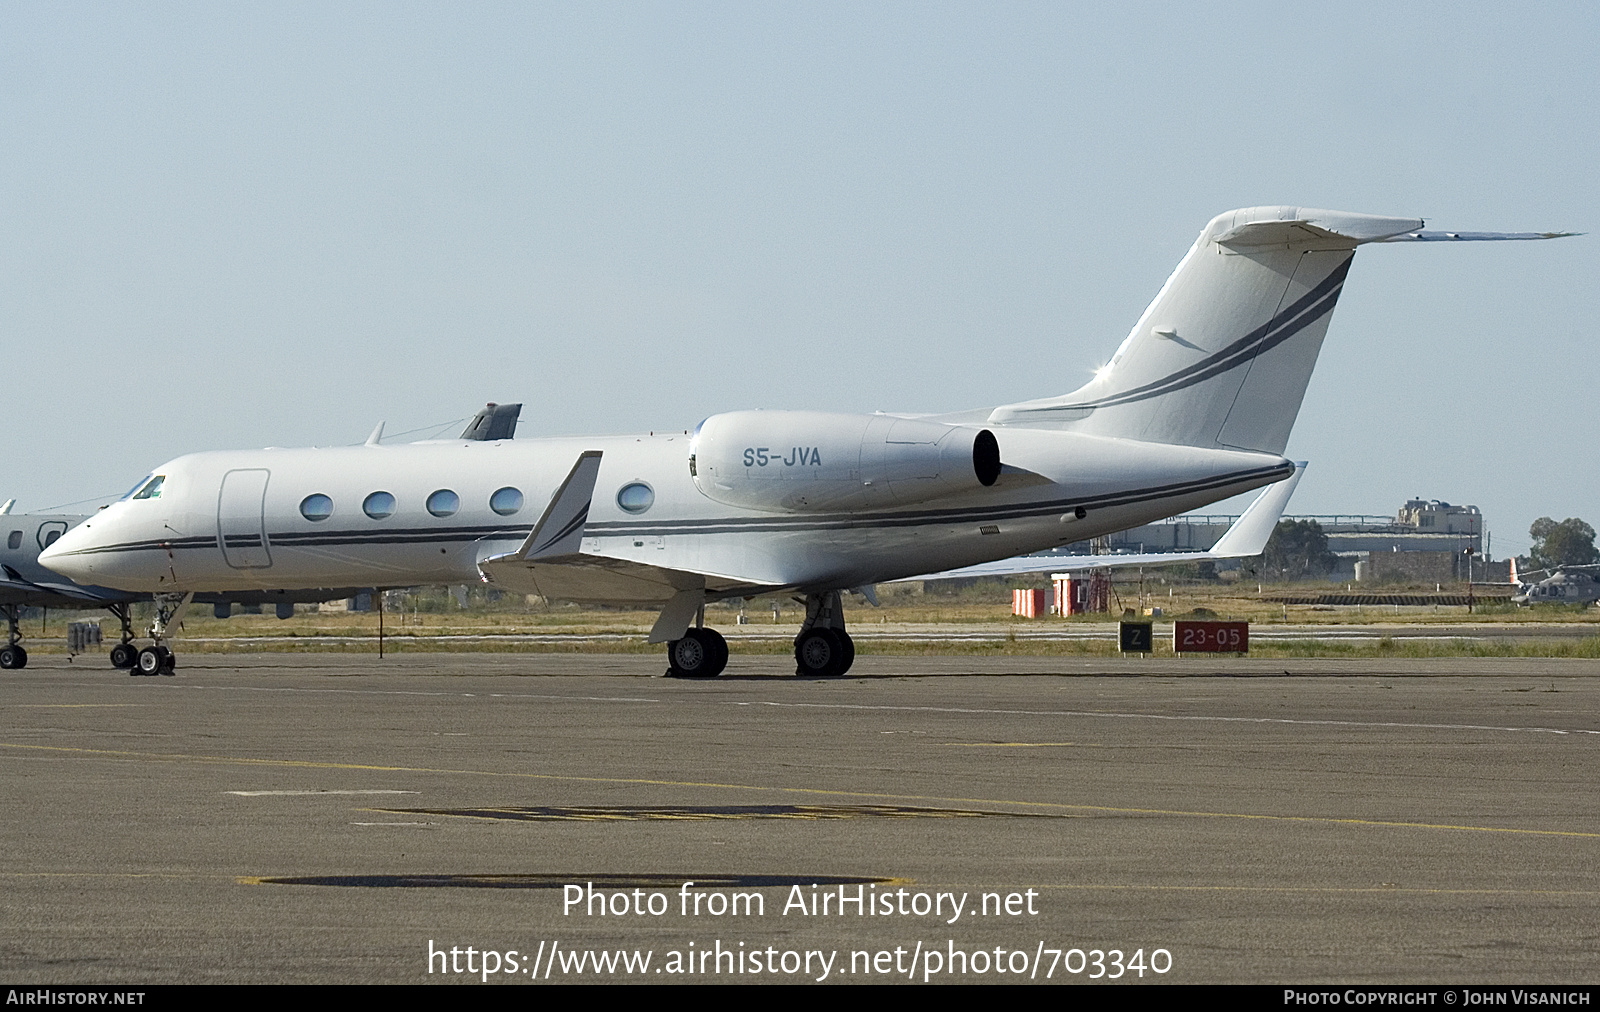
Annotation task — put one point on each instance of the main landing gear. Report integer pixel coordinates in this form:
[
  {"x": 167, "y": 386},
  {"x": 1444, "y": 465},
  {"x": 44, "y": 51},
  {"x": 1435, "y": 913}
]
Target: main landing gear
[
  {"x": 823, "y": 649},
  {"x": 12, "y": 656},
  {"x": 158, "y": 659},
  {"x": 702, "y": 653}
]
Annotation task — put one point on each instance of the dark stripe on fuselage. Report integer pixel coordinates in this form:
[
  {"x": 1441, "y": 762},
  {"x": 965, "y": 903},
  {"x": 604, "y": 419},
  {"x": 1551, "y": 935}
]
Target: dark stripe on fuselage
[
  {"x": 788, "y": 523},
  {"x": 404, "y": 535},
  {"x": 298, "y": 539},
  {"x": 159, "y": 545},
  {"x": 1306, "y": 310}
]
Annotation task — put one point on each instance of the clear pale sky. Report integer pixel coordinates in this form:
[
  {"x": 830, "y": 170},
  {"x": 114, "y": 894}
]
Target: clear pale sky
[{"x": 275, "y": 224}]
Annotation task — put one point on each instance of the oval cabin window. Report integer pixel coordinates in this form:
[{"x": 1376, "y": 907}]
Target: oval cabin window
[
  {"x": 316, "y": 507},
  {"x": 443, "y": 503},
  {"x": 506, "y": 501},
  {"x": 378, "y": 505},
  {"x": 636, "y": 497}
]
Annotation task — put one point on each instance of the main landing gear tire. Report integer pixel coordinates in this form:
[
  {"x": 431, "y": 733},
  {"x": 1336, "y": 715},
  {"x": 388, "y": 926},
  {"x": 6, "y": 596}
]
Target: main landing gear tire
[
  {"x": 13, "y": 657},
  {"x": 702, "y": 653},
  {"x": 823, "y": 653},
  {"x": 155, "y": 661},
  {"x": 124, "y": 656}
]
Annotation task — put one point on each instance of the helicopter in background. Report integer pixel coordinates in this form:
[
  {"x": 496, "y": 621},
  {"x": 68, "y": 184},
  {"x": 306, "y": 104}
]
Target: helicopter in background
[{"x": 1563, "y": 585}]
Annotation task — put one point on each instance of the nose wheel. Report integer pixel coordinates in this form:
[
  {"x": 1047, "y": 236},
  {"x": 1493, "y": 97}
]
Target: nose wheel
[{"x": 156, "y": 660}]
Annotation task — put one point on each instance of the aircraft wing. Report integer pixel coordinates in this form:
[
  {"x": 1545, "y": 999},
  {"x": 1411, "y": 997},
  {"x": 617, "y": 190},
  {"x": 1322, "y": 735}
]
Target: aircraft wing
[
  {"x": 1247, "y": 538},
  {"x": 550, "y": 562},
  {"x": 16, "y": 589}
]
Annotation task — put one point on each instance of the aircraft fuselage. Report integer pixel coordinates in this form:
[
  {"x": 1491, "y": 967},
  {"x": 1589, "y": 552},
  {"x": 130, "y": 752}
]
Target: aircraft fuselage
[{"x": 295, "y": 518}]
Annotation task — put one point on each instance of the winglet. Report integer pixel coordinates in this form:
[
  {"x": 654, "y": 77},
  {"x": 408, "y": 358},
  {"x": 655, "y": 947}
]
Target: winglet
[
  {"x": 377, "y": 435},
  {"x": 7, "y": 507},
  {"x": 560, "y": 530},
  {"x": 1249, "y": 534}
]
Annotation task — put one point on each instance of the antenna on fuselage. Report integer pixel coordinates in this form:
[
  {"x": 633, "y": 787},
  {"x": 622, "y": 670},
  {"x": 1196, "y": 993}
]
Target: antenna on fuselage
[{"x": 377, "y": 434}]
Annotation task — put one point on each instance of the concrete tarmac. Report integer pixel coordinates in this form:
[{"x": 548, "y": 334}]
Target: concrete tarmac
[{"x": 327, "y": 818}]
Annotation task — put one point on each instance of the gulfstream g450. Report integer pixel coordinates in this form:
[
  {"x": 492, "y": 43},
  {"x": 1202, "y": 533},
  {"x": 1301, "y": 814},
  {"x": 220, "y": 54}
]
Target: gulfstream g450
[{"x": 1195, "y": 406}]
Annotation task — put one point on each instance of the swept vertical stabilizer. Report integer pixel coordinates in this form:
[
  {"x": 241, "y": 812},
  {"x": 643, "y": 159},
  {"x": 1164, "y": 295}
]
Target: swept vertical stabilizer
[{"x": 1223, "y": 355}]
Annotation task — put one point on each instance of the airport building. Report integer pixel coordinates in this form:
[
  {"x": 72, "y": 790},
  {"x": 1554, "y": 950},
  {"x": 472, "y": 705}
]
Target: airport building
[{"x": 1426, "y": 540}]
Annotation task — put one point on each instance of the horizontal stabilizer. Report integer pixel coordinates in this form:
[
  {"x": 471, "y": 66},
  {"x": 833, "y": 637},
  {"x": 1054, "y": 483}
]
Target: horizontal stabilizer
[
  {"x": 1474, "y": 236},
  {"x": 1315, "y": 229},
  {"x": 1246, "y": 539}
]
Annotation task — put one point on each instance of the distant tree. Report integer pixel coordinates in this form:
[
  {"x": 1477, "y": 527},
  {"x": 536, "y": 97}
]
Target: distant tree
[
  {"x": 1296, "y": 549},
  {"x": 1568, "y": 543}
]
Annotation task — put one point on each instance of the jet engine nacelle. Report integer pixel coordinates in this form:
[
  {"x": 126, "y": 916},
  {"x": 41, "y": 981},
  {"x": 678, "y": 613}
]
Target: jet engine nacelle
[{"x": 810, "y": 461}]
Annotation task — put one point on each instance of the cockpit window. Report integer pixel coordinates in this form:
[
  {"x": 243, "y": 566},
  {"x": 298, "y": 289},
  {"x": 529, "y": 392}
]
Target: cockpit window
[
  {"x": 136, "y": 487},
  {"x": 152, "y": 488}
]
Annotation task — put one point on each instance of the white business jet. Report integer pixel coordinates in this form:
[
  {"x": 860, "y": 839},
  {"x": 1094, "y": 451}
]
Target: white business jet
[{"x": 1195, "y": 406}]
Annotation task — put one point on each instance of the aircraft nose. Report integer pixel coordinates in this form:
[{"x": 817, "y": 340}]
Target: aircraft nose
[{"x": 67, "y": 555}]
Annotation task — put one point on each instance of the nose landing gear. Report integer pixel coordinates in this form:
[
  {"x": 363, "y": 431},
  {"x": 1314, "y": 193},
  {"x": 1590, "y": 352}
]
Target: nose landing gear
[{"x": 158, "y": 659}]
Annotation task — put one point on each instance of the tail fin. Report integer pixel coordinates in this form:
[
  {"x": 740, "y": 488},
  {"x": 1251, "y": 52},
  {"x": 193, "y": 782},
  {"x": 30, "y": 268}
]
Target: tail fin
[{"x": 1223, "y": 355}]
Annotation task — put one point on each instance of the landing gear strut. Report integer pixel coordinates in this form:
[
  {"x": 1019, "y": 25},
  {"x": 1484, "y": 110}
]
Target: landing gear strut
[
  {"x": 12, "y": 656},
  {"x": 701, "y": 653},
  {"x": 823, "y": 649},
  {"x": 124, "y": 655},
  {"x": 157, "y": 659}
]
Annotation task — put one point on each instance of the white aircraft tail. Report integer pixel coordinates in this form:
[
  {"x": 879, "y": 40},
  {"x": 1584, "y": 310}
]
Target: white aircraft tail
[{"x": 1222, "y": 357}]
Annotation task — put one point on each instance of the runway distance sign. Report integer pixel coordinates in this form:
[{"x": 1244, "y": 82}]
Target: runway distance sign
[{"x": 1210, "y": 637}]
